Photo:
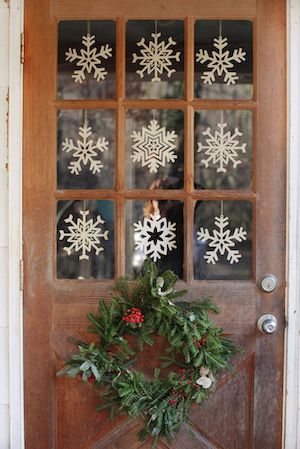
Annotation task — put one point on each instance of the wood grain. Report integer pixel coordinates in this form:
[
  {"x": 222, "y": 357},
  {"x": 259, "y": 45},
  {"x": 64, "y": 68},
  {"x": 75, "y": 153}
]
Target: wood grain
[{"x": 244, "y": 406}]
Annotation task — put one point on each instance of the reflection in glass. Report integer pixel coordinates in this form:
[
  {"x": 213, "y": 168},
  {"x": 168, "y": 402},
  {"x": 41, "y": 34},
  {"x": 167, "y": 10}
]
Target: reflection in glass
[
  {"x": 154, "y": 147},
  {"x": 223, "y": 149},
  {"x": 85, "y": 149},
  {"x": 154, "y": 229},
  {"x": 85, "y": 239},
  {"x": 154, "y": 59},
  {"x": 223, "y": 240},
  {"x": 223, "y": 59},
  {"x": 86, "y": 59}
]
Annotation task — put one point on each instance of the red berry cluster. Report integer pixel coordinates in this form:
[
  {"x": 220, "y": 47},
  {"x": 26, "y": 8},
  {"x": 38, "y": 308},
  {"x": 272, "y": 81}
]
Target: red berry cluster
[
  {"x": 133, "y": 315},
  {"x": 185, "y": 376},
  {"x": 200, "y": 343},
  {"x": 177, "y": 396}
]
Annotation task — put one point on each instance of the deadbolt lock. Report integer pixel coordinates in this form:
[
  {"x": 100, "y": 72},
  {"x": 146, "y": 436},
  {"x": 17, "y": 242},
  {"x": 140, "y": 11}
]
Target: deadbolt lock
[{"x": 268, "y": 283}]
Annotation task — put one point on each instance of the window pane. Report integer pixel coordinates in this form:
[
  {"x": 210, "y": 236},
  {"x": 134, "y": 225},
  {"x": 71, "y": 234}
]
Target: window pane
[
  {"x": 154, "y": 59},
  {"x": 86, "y": 59},
  {"x": 223, "y": 240},
  {"x": 223, "y": 59},
  {"x": 154, "y": 146},
  {"x": 86, "y": 149},
  {"x": 85, "y": 239},
  {"x": 223, "y": 149},
  {"x": 154, "y": 229}
]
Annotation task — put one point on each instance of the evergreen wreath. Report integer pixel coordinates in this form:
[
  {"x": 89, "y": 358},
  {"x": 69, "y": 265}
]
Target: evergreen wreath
[{"x": 196, "y": 348}]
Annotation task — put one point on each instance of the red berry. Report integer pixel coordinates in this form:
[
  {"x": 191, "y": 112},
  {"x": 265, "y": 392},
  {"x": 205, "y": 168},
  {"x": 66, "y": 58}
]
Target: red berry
[{"x": 92, "y": 379}]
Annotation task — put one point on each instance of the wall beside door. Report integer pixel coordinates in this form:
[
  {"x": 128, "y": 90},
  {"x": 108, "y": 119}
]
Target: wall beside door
[{"x": 4, "y": 365}]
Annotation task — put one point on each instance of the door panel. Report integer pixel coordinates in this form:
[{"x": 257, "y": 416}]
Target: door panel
[{"x": 60, "y": 289}]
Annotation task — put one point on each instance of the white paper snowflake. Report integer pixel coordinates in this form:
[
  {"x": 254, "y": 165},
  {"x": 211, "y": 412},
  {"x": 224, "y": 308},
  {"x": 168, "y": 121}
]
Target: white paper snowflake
[
  {"x": 222, "y": 147},
  {"x": 89, "y": 59},
  {"x": 84, "y": 235},
  {"x": 220, "y": 62},
  {"x": 222, "y": 241},
  {"x": 153, "y": 146},
  {"x": 155, "y": 236},
  {"x": 85, "y": 151},
  {"x": 156, "y": 57}
]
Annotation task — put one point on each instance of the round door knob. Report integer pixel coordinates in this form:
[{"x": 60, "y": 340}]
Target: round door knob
[{"x": 267, "y": 324}]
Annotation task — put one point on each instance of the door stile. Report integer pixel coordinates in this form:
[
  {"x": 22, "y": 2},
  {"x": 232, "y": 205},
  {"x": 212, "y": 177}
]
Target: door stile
[{"x": 271, "y": 175}]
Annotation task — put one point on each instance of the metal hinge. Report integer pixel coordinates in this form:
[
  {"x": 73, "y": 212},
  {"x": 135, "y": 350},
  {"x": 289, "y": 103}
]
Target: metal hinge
[
  {"x": 21, "y": 274},
  {"x": 22, "y": 49}
]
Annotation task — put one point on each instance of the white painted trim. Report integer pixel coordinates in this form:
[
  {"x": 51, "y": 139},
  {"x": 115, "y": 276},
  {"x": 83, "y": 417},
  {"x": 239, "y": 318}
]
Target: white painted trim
[
  {"x": 292, "y": 402},
  {"x": 15, "y": 227}
]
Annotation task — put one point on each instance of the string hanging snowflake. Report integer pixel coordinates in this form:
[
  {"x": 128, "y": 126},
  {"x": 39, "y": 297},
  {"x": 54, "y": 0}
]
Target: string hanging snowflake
[
  {"x": 156, "y": 57},
  {"x": 153, "y": 146},
  {"x": 155, "y": 236},
  {"x": 221, "y": 147},
  {"x": 89, "y": 59},
  {"x": 222, "y": 241},
  {"x": 85, "y": 151},
  {"x": 220, "y": 62},
  {"x": 83, "y": 235}
]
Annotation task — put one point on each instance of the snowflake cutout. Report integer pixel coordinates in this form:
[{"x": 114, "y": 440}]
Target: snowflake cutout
[
  {"x": 156, "y": 57},
  {"x": 85, "y": 151},
  {"x": 220, "y": 62},
  {"x": 155, "y": 236},
  {"x": 153, "y": 146},
  {"x": 83, "y": 235},
  {"x": 222, "y": 241},
  {"x": 89, "y": 59},
  {"x": 222, "y": 147}
]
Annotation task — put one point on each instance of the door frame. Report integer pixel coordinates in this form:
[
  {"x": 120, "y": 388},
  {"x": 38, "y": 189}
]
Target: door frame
[
  {"x": 291, "y": 430},
  {"x": 15, "y": 133},
  {"x": 15, "y": 297}
]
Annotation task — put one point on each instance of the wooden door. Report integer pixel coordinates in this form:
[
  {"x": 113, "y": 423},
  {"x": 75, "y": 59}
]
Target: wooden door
[{"x": 118, "y": 98}]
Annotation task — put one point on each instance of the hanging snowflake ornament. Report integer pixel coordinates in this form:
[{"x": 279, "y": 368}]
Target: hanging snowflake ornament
[
  {"x": 154, "y": 146},
  {"x": 85, "y": 151},
  {"x": 83, "y": 235},
  {"x": 222, "y": 147},
  {"x": 89, "y": 59},
  {"x": 222, "y": 241},
  {"x": 155, "y": 236},
  {"x": 220, "y": 62},
  {"x": 156, "y": 57}
]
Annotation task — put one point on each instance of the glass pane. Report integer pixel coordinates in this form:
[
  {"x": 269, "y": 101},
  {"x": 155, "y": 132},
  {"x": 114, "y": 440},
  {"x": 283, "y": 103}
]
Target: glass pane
[
  {"x": 223, "y": 240},
  {"x": 154, "y": 147},
  {"x": 154, "y": 59},
  {"x": 223, "y": 59},
  {"x": 85, "y": 239},
  {"x": 86, "y": 149},
  {"x": 154, "y": 229},
  {"x": 223, "y": 149},
  {"x": 86, "y": 59}
]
